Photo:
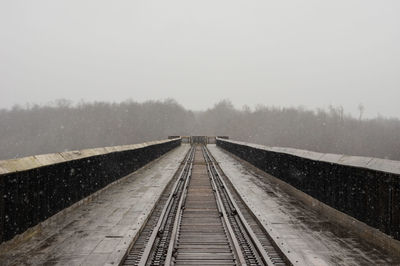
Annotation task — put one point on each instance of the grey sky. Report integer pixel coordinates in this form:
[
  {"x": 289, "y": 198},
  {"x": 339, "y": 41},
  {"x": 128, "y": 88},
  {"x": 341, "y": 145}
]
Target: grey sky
[{"x": 288, "y": 53}]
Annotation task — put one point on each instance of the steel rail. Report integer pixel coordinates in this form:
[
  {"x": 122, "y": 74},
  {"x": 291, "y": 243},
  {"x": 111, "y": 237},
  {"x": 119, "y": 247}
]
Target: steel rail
[
  {"x": 223, "y": 212},
  {"x": 256, "y": 243},
  {"x": 248, "y": 227},
  {"x": 164, "y": 243},
  {"x": 147, "y": 251},
  {"x": 178, "y": 217}
]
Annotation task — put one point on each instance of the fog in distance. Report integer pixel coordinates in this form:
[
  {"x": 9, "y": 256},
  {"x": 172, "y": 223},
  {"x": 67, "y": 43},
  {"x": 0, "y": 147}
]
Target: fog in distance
[{"x": 281, "y": 53}]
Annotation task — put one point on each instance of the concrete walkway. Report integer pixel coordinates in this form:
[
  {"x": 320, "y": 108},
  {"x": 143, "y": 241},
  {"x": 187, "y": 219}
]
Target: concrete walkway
[
  {"x": 99, "y": 232},
  {"x": 311, "y": 239}
]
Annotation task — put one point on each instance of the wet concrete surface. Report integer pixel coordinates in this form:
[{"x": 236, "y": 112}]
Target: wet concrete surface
[
  {"x": 310, "y": 238},
  {"x": 99, "y": 232}
]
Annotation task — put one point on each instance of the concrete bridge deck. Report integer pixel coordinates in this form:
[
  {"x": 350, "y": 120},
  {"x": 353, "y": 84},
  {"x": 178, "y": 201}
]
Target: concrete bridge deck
[{"x": 100, "y": 231}]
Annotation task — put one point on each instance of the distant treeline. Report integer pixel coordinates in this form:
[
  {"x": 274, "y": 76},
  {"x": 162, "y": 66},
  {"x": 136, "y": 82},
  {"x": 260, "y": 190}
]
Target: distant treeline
[{"x": 64, "y": 126}]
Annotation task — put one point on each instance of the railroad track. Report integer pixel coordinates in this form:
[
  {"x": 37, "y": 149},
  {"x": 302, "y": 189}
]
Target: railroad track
[{"x": 201, "y": 220}]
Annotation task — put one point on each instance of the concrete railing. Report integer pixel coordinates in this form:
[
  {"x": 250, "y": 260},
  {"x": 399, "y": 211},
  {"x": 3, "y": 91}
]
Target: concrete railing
[
  {"x": 34, "y": 188},
  {"x": 367, "y": 189}
]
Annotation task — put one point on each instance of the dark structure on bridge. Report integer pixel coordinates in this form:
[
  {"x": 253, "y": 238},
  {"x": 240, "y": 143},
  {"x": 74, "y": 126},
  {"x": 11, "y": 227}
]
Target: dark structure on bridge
[
  {"x": 30, "y": 197},
  {"x": 370, "y": 196}
]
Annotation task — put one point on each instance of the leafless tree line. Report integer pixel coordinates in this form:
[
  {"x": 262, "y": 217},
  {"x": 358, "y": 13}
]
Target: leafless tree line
[{"x": 65, "y": 126}]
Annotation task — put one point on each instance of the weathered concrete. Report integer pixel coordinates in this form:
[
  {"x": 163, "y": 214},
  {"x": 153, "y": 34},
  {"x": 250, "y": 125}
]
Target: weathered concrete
[
  {"x": 31, "y": 162},
  {"x": 383, "y": 165},
  {"x": 312, "y": 239},
  {"x": 99, "y": 232}
]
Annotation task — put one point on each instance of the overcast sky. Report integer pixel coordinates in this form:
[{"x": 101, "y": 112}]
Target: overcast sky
[{"x": 286, "y": 53}]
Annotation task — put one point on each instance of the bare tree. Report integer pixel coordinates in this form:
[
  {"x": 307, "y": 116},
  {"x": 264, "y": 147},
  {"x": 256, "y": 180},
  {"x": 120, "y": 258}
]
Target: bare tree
[
  {"x": 60, "y": 126},
  {"x": 361, "y": 110}
]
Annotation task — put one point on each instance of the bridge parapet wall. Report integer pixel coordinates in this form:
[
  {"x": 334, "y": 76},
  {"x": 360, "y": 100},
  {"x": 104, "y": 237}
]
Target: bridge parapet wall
[
  {"x": 367, "y": 189},
  {"x": 34, "y": 188}
]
